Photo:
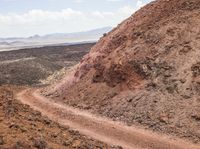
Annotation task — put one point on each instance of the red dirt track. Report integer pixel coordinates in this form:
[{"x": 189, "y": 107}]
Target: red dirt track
[{"x": 101, "y": 128}]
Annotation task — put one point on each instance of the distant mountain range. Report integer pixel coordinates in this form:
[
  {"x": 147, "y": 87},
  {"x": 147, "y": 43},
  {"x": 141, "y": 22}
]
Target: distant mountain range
[{"x": 52, "y": 39}]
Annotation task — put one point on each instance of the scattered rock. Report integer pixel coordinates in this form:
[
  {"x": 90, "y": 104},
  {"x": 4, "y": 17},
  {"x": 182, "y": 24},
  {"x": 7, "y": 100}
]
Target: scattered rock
[
  {"x": 196, "y": 117},
  {"x": 2, "y": 140},
  {"x": 68, "y": 142},
  {"x": 47, "y": 120},
  {"x": 40, "y": 144},
  {"x": 196, "y": 69}
]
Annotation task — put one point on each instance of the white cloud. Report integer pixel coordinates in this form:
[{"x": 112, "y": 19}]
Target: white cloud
[
  {"x": 38, "y": 16},
  {"x": 67, "y": 20},
  {"x": 126, "y": 10},
  {"x": 139, "y": 3}
]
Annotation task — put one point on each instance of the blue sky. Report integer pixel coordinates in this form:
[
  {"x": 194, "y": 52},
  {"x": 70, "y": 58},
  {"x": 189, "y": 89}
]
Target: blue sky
[{"x": 29, "y": 17}]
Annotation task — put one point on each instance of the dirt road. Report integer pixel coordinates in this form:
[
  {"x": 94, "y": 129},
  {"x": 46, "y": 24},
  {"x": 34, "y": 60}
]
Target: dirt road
[{"x": 99, "y": 128}]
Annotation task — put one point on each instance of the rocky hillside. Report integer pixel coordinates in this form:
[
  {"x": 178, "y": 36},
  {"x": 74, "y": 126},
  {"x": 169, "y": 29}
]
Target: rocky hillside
[{"x": 144, "y": 72}]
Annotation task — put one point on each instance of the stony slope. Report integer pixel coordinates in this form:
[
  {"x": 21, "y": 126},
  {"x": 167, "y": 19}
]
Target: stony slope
[{"x": 145, "y": 72}]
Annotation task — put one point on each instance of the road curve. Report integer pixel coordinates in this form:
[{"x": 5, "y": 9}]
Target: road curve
[{"x": 99, "y": 128}]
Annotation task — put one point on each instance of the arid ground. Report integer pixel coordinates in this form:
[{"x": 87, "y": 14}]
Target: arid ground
[
  {"x": 21, "y": 127},
  {"x": 137, "y": 88},
  {"x": 24, "y": 128}
]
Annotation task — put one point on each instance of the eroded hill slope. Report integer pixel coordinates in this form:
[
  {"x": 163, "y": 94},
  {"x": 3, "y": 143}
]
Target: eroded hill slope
[{"x": 145, "y": 72}]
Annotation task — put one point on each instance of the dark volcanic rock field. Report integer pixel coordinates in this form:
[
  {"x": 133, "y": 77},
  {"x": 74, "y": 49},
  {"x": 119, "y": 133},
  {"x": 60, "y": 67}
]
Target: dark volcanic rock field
[{"x": 29, "y": 66}]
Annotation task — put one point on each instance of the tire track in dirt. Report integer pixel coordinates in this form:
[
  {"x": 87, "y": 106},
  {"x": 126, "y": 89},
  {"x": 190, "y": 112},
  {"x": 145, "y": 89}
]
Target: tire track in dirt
[{"x": 99, "y": 128}]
